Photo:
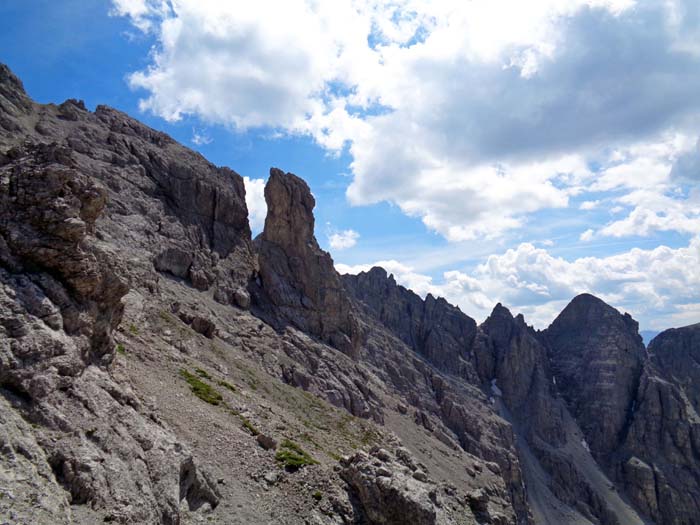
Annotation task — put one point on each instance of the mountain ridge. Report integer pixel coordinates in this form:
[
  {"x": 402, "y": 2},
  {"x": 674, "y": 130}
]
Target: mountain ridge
[{"x": 130, "y": 279}]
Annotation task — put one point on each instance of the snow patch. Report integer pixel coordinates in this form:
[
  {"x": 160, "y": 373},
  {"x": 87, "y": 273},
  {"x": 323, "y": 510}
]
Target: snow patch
[
  {"x": 495, "y": 390},
  {"x": 585, "y": 445}
]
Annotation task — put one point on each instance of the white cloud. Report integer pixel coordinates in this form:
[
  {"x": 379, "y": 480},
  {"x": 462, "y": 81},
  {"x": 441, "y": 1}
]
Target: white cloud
[
  {"x": 404, "y": 275},
  {"x": 589, "y": 205},
  {"x": 144, "y": 14},
  {"x": 659, "y": 287},
  {"x": 255, "y": 201},
  {"x": 587, "y": 235},
  {"x": 654, "y": 211},
  {"x": 343, "y": 240},
  {"x": 463, "y": 117},
  {"x": 200, "y": 138}
]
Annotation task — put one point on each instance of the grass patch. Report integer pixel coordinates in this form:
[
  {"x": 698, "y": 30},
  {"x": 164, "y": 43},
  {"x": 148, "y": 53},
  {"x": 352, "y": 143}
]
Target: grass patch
[
  {"x": 200, "y": 389},
  {"x": 292, "y": 457},
  {"x": 120, "y": 349},
  {"x": 249, "y": 426},
  {"x": 166, "y": 316},
  {"x": 133, "y": 330},
  {"x": 369, "y": 436},
  {"x": 318, "y": 495},
  {"x": 202, "y": 373},
  {"x": 226, "y": 385}
]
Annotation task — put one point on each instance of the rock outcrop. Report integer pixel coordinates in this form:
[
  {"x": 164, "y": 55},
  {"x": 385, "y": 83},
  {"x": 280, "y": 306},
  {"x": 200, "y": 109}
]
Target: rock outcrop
[
  {"x": 297, "y": 279},
  {"x": 432, "y": 327},
  {"x": 92, "y": 443},
  {"x": 660, "y": 462},
  {"x": 390, "y": 489}
]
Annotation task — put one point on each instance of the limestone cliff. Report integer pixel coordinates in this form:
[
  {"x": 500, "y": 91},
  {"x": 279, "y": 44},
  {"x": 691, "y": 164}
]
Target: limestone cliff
[{"x": 297, "y": 279}]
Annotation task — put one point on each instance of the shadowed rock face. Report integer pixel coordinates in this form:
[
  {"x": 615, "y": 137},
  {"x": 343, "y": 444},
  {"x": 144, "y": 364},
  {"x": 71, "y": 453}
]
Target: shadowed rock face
[
  {"x": 297, "y": 278},
  {"x": 662, "y": 449},
  {"x": 432, "y": 327},
  {"x": 513, "y": 360},
  {"x": 597, "y": 357}
]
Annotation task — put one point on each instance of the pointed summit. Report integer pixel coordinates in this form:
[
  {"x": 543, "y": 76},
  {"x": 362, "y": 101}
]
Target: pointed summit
[
  {"x": 296, "y": 275},
  {"x": 290, "y": 218},
  {"x": 597, "y": 357}
]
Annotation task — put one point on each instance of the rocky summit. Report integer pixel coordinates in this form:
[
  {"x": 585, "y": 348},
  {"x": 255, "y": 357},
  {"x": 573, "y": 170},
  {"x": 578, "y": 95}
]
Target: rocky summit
[{"x": 160, "y": 366}]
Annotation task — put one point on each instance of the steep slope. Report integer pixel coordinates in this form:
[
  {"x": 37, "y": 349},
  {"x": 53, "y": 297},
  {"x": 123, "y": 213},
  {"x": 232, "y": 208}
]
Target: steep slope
[
  {"x": 60, "y": 301},
  {"x": 432, "y": 327},
  {"x": 597, "y": 358},
  {"x": 565, "y": 483},
  {"x": 660, "y": 457},
  {"x": 506, "y": 361}
]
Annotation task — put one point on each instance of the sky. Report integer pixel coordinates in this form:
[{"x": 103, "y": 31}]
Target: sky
[{"x": 484, "y": 151}]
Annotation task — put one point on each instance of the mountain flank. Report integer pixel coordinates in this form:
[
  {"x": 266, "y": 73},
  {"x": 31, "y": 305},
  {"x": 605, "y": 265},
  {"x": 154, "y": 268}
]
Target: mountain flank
[{"x": 158, "y": 365}]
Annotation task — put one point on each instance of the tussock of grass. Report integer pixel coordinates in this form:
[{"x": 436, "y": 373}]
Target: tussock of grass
[
  {"x": 226, "y": 385},
  {"x": 292, "y": 457},
  {"x": 249, "y": 426},
  {"x": 121, "y": 349},
  {"x": 200, "y": 389},
  {"x": 202, "y": 373}
]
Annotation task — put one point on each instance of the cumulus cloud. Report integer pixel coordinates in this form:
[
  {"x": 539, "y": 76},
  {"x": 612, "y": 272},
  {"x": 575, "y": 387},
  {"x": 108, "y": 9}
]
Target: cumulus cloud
[
  {"x": 144, "y": 14},
  {"x": 687, "y": 166},
  {"x": 658, "y": 286},
  {"x": 653, "y": 211},
  {"x": 343, "y": 239},
  {"x": 472, "y": 121},
  {"x": 255, "y": 201},
  {"x": 462, "y": 117}
]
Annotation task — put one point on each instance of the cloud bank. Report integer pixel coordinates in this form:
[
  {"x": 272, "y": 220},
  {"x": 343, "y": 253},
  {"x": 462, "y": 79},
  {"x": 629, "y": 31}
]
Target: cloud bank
[
  {"x": 473, "y": 117},
  {"x": 658, "y": 286}
]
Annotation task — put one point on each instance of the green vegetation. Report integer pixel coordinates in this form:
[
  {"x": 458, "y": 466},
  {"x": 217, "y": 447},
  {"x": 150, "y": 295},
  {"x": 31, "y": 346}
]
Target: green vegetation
[
  {"x": 202, "y": 390},
  {"x": 202, "y": 373},
  {"x": 369, "y": 436},
  {"x": 226, "y": 385},
  {"x": 167, "y": 317},
  {"x": 318, "y": 495},
  {"x": 120, "y": 349},
  {"x": 292, "y": 457},
  {"x": 249, "y": 426},
  {"x": 133, "y": 330}
]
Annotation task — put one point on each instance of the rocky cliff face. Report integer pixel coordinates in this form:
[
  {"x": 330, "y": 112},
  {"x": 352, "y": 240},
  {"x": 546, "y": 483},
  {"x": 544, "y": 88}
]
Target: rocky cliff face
[
  {"x": 433, "y": 328},
  {"x": 660, "y": 452},
  {"x": 297, "y": 279},
  {"x": 159, "y": 366},
  {"x": 597, "y": 357},
  {"x": 61, "y": 299}
]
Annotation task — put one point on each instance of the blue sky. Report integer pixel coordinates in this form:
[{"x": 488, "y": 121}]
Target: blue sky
[{"x": 484, "y": 151}]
